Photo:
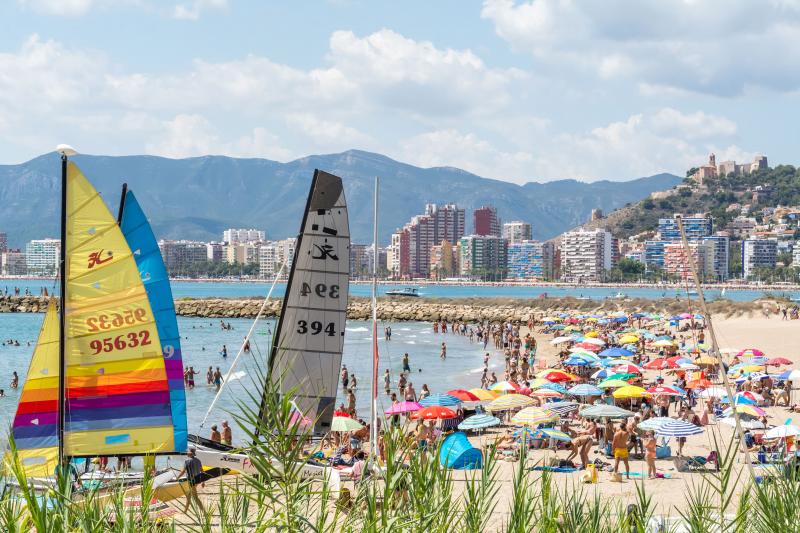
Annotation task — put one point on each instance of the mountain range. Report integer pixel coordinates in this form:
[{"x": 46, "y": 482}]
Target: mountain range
[{"x": 199, "y": 197}]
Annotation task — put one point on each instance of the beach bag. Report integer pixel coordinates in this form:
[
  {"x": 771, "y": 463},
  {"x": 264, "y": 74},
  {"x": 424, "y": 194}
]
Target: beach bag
[
  {"x": 616, "y": 477},
  {"x": 663, "y": 452},
  {"x": 592, "y": 472}
]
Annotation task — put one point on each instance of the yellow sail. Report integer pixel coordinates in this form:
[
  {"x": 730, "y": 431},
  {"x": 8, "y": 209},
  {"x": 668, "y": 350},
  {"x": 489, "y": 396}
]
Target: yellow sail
[
  {"x": 35, "y": 427},
  {"x": 117, "y": 394}
]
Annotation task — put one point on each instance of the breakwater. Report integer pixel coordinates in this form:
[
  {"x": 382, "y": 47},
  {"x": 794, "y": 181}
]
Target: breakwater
[{"x": 422, "y": 309}]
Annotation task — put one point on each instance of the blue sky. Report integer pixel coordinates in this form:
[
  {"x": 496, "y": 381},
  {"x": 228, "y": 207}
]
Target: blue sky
[{"x": 510, "y": 89}]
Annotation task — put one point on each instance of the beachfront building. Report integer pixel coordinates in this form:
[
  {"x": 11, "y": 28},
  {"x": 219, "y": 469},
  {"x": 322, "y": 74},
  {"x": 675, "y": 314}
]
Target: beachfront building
[
  {"x": 12, "y": 263},
  {"x": 272, "y": 255},
  {"x": 215, "y": 252},
  {"x": 383, "y": 254},
  {"x": 242, "y": 235},
  {"x": 42, "y": 256},
  {"x": 410, "y": 250},
  {"x": 517, "y": 231},
  {"x": 695, "y": 226},
  {"x": 359, "y": 262},
  {"x": 654, "y": 254},
  {"x": 444, "y": 260},
  {"x": 3, "y": 242},
  {"x": 486, "y": 221},
  {"x": 530, "y": 260},
  {"x": 586, "y": 255},
  {"x": 179, "y": 255},
  {"x": 758, "y": 253},
  {"x": 717, "y": 257},
  {"x": 483, "y": 257},
  {"x": 676, "y": 262},
  {"x": 242, "y": 254}
]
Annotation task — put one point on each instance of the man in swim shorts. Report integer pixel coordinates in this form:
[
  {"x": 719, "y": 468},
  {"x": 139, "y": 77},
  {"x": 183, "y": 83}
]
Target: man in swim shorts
[{"x": 619, "y": 445}]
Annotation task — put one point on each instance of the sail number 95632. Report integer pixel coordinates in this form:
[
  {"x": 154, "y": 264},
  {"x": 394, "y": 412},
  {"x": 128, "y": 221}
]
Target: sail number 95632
[
  {"x": 320, "y": 289},
  {"x": 115, "y": 320},
  {"x": 316, "y": 327}
]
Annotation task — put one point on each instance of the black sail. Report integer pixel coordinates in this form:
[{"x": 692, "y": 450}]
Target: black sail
[{"x": 306, "y": 354}]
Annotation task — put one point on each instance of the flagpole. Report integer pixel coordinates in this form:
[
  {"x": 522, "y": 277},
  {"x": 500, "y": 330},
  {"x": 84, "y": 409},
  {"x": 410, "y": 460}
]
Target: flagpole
[{"x": 373, "y": 419}]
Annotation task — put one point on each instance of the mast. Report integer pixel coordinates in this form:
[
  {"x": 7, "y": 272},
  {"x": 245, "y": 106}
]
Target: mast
[
  {"x": 64, "y": 151},
  {"x": 122, "y": 204},
  {"x": 715, "y": 346},
  {"x": 373, "y": 419}
]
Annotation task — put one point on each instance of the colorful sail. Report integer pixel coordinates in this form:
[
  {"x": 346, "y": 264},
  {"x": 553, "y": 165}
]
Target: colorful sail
[
  {"x": 154, "y": 275},
  {"x": 35, "y": 427},
  {"x": 306, "y": 355},
  {"x": 117, "y": 393}
]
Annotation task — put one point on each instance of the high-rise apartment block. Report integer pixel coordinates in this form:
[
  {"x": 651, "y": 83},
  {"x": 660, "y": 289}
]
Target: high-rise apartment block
[
  {"x": 241, "y": 235},
  {"x": 586, "y": 255},
  {"x": 410, "y": 250},
  {"x": 486, "y": 221},
  {"x": 42, "y": 257},
  {"x": 484, "y": 257},
  {"x": 179, "y": 255},
  {"x": 530, "y": 260},
  {"x": 517, "y": 232},
  {"x": 758, "y": 253}
]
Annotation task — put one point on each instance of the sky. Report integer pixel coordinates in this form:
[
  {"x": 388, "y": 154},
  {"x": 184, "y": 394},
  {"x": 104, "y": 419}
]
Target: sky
[{"x": 514, "y": 90}]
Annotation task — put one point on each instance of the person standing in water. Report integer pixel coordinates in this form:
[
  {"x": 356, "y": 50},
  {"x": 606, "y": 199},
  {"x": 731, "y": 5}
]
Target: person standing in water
[
  {"x": 227, "y": 434},
  {"x": 406, "y": 363},
  {"x": 14, "y": 380},
  {"x": 217, "y": 379},
  {"x": 387, "y": 381},
  {"x": 443, "y": 355},
  {"x": 224, "y": 351},
  {"x": 210, "y": 376}
]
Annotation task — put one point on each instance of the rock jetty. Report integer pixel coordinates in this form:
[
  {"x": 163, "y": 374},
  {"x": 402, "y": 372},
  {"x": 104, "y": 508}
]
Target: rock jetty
[{"x": 422, "y": 309}]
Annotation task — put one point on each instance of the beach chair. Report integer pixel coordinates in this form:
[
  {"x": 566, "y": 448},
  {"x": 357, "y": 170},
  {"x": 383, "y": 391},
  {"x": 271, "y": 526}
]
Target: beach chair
[{"x": 696, "y": 463}]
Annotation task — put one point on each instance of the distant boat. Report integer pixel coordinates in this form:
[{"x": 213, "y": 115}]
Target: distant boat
[
  {"x": 620, "y": 295},
  {"x": 405, "y": 291}
]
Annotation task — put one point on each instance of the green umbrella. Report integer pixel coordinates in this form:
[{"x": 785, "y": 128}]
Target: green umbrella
[
  {"x": 612, "y": 384},
  {"x": 623, "y": 377},
  {"x": 344, "y": 423}
]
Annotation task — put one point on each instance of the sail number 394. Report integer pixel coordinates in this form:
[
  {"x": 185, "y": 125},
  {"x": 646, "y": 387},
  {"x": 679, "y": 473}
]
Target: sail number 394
[
  {"x": 316, "y": 327},
  {"x": 321, "y": 289}
]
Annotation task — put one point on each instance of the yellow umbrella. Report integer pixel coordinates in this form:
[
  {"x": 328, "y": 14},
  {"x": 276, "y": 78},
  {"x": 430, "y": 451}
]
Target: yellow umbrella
[
  {"x": 591, "y": 334},
  {"x": 665, "y": 343},
  {"x": 533, "y": 416},
  {"x": 510, "y": 401},
  {"x": 706, "y": 360},
  {"x": 484, "y": 394},
  {"x": 539, "y": 382},
  {"x": 628, "y": 339},
  {"x": 591, "y": 319},
  {"x": 630, "y": 391},
  {"x": 551, "y": 319},
  {"x": 751, "y": 368}
]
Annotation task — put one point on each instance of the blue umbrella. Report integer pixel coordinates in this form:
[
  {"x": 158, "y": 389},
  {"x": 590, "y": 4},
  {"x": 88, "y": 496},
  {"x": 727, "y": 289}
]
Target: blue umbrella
[
  {"x": 576, "y": 361},
  {"x": 442, "y": 400},
  {"x": 584, "y": 389},
  {"x": 615, "y": 352},
  {"x": 621, "y": 319},
  {"x": 638, "y": 315},
  {"x": 678, "y": 428},
  {"x": 479, "y": 421},
  {"x": 555, "y": 386}
]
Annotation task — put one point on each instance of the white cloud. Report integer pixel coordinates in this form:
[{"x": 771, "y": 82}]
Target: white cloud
[
  {"x": 327, "y": 133},
  {"x": 721, "y": 47},
  {"x": 192, "y": 10},
  {"x": 64, "y": 8}
]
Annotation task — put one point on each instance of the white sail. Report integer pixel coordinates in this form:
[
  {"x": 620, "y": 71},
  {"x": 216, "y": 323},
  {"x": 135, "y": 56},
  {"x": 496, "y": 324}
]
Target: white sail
[{"x": 306, "y": 355}]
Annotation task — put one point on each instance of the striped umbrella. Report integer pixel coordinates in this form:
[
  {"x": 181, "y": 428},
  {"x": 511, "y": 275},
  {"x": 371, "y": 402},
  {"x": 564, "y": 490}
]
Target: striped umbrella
[
  {"x": 750, "y": 352},
  {"x": 434, "y": 412},
  {"x": 510, "y": 401},
  {"x": 627, "y": 369},
  {"x": 652, "y": 424},
  {"x": 678, "y": 428},
  {"x": 547, "y": 393},
  {"x": 562, "y": 408},
  {"x": 584, "y": 389},
  {"x": 444, "y": 400},
  {"x": 483, "y": 394},
  {"x": 554, "y": 387},
  {"x": 663, "y": 390},
  {"x": 479, "y": 421},
  {"x": 605, "y": 411},
  {"x": 504, "y": 386},
  {"x": 555, "y": 434},
  {"x": 746, "y": 410},
  {"x": 533, "y": 416}
]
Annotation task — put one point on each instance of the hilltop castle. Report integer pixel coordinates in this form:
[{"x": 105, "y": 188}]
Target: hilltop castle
[{"x": 712, "y": 170}]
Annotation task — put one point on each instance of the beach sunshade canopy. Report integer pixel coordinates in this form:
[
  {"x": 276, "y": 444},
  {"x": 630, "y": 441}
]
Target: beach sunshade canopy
[
  {"x": 746, "y": 410},
  {"x": 587, "y": 346},
  {"x": 664, "y": 390},
  {"x": 605, "y": 411},
  {"x": 627, "y": 369},
  {"x": 563, "y": 408},
  {"x": 652, "y": 424},
  {"x": 781, "y": 432},
  {"x": 630, "y": 392},
  {"x": 483, "y": 394},
  {"x": 444, "y": 400},
  {"x": 712, "y": 392},
  {"x": 510, "y": 401},
  {"x": 533, "y": 416},
  {"x": 585, "y": 389},
  {"x": 750, "y": 352},
  {"x": 434, "y": 412},
  {"x": 616, "y": 352},
  {"x": 746, "y": 424},
  {"x": 778, "y": 361},
  {"x": 403, "y": 407},
  {"x": 628, "y": 339},
  {"x": 577, "y": 361},
  {"x": 344, "y": 423},
  {"x": 623, "y": 377},
  {"x": 592, "y": 339},
  {"x": 706, "y": 360},
  {"x": 463, "y": 395},
  {"x": 701, "y": 383},
  {"x": 479, "y": 421},
  {"x": 547, "y": 393},
  {"x": 664, "y": 344},
  {"x": 504, "y": 386},
  {"x": 678, "y": 428},
  {"x": 790, "y": 375},
  {"x": 562, "y": 339},
  {"x": 556, "y": 375},
  {"x": 656, "y": 364},
  {"x": 612, "y": 384},
  {"x": 555, "y": 434},
  {"x": 341, "y": 413}
]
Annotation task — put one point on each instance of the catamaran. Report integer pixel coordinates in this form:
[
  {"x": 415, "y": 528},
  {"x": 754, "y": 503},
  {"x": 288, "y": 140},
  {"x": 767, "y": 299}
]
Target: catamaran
[
  {"x": 102, "y": 379},
  {"x": 306, "y": 352}
]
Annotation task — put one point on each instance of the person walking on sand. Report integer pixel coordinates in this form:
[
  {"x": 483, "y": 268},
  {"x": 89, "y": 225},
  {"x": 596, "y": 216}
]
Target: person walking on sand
[
  {"x": 650, "y": 454},
  {"x": 193, "y": 469},
  {"x": 620, "y": 447}
]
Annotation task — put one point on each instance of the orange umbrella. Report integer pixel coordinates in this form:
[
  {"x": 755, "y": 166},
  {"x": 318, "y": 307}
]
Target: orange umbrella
[
  {"x": 463, "y": 395},
  {"x": 556, "y": 376},
  {"x": 434, "y": 412},
  {"x": 701, "y": 383}
]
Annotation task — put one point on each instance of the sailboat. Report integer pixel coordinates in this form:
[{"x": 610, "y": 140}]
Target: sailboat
[
  {"x": 306, "y": 352},
  {"x": 98, "y": 383}
]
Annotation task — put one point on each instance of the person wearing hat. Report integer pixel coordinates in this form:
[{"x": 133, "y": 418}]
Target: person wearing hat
[{"x": 193, "y": 469}]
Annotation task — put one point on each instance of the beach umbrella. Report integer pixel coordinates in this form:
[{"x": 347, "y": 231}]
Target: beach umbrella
[
  {"x": 712, "y": 392},
  {"x": 403, "y": 407},
  {"x": 556, "y": 375},
  {"x": 546, "y": 393},
  {"x": 538, "y": 382},
  {"x": 617, "y": 362},
  {"x": 751, "y": 368},
  {"x": 628, "y": 339},
  {"x": 778, "y": 361},
  {"x": 479, "y": 421},
  {"x": 601, "y": 374},
  {"x": 746, "y": 424},
  {"x": 551, "y": 319},
  {"x": 464, "y": 395},
  {"x": 685, "y": 316},
  {"x": 589, "y": 339},
  {"x": 757, "y": 361},
  {"x": 627, "y": 369},
  {"x": 688, "y": 366},
  {"x": 612, "y": 383},
  {"x": 587, "y": 346},
  {"x": 434, "y": 412},
  {"x": 701, "y": 383},
  {"x": 616, "y": 352},
  {"x": 533, "y": 416},
  {"x": 345, "y": 423},
  {"x": 576, "y": 361},
  {"x": 656, "y": 364},
  {"x": 664, "y": 343},
  {"x": 781, "y": 432},
  {"x": 504, "y": 386},
  {"x": 750, "y": 352},
  {"x": 555, "y": 434},
  {"x": 706, "y": 360},
  {"x": 563, "y": 408},
  {"x": 562, "y": 340},
  {"x": 557, "y": 387},
  {"x": 790, "y": 375},
  {"x": 652, "y": 424},
  {"x": 605, "y": 411},
  {"x": 558, "y": 327},
  {"x": 623, "y": 377},
  {"x": 483, "y": 394},
  {"x": 664, "y": 390},
  {"x": 444, "y": 400},
  {"x": 584, "y": 389},
  {"x": 676, "y": 360},
  {"x": 678, "y": 428},
  {"x": 630, "y": 391},
  {"x": 341, "y": 413},
  {"x": 509, "y": 401},
  {"x": 746, "y": 410}
]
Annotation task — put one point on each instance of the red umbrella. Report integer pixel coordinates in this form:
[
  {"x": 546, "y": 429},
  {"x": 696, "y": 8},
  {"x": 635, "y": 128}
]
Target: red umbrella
[
  {"x": 672, "y": 361},
  {"x": 669, "y": 391},
  {"x": 778, "y": 361},
  {"x": 341, "y": 413},
  {"x": 657, "y": 364},
  {"x": 463, "y": 395},
  {"x": 588, "y": 346},
  {"x": 434, "y": 412},
  {"x": 627, "y": 369}
]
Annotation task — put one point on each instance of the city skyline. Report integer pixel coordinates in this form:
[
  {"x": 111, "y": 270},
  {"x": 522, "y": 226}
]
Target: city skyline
[{"x": 510, "y": 89}]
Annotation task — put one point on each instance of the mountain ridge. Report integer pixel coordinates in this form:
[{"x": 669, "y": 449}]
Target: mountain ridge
[{"x": 198, "y": 197}]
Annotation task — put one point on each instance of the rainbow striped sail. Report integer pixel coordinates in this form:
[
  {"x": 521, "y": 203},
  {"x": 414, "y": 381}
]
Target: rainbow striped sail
[
  {"x": 35, "y": 427},
  {"x": 117, "y": 392},
  {"x": 154, "y": 275}
]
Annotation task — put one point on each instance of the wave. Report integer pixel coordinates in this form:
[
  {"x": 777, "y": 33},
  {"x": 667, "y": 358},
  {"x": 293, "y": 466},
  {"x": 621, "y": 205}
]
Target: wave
[
  {"x": 476, "y": 370},
  {"x": 411, "y": 342},
  {"x": 356, "y": 329}
]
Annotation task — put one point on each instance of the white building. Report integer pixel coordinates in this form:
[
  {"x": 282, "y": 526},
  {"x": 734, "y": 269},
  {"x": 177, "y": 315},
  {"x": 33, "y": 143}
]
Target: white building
[
  {"x": 241, "y": 235},
  {"x": 757, "y": 253},
  {"x": 179, "y": 255},
  {"x": 586, "y": 255},
  {"x": 12, "y": 263},
  {"x": 41, "y": 257},
  {"x": 273, "y": 255},
  {"x": 517, "y": 231}
]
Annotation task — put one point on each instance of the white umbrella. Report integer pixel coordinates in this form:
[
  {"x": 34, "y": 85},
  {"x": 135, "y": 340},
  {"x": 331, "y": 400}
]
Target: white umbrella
[
  {"x": 781, "y": 432},
  {"x": 794, "y": 375},
  {"x": 712, "y": 392},
  {"x": 560, "y": 340},
  {"x": 688, "y": 366},
  {"x": 746, "y": 424},
  {"x": 595, "y": 341}
]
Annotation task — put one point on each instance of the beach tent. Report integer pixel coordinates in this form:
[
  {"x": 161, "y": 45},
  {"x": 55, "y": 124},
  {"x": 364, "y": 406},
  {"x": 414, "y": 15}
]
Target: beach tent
[{"x": 457, "y": 453}]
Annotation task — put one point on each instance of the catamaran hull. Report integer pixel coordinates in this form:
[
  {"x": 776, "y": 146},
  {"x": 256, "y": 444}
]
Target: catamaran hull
[{"x": 241, "y": 463}]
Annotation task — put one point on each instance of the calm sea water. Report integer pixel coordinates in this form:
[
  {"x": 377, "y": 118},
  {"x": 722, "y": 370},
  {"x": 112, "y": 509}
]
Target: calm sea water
[
  {"x": 195, "y": 289},
  {"x": 203, "y": 339}
]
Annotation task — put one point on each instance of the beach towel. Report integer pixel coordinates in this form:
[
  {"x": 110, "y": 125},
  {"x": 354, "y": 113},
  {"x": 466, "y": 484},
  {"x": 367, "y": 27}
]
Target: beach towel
[{"x": 554, "y": 469}]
